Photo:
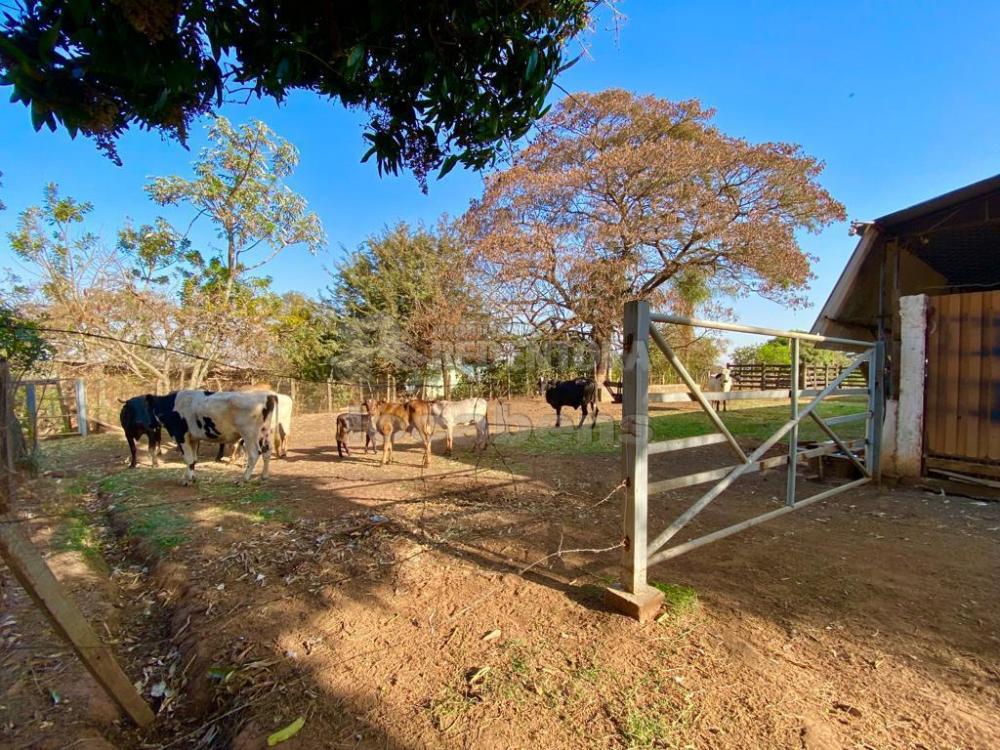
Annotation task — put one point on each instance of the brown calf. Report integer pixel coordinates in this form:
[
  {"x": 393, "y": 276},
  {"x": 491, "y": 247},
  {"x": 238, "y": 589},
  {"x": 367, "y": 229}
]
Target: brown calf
[{"x": 389, "y": 418}]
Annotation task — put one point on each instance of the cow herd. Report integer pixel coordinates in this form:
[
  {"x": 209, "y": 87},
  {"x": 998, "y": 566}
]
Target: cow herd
[{"x": 258, "y": 421}]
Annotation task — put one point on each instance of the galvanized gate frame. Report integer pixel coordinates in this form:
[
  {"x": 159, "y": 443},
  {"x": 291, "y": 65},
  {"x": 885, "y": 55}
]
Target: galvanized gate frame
[{"x": 640, "y": 326}]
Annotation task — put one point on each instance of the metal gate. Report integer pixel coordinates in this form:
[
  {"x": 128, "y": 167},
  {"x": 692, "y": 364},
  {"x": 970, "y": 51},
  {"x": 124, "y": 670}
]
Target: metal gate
[
  {"x": 640, "y": 327},
  {"x": 962, "y": 403}
]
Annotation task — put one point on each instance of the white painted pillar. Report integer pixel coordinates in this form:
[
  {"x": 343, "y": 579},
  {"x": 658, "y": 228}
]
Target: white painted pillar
[{"x": 912, "y": 373}]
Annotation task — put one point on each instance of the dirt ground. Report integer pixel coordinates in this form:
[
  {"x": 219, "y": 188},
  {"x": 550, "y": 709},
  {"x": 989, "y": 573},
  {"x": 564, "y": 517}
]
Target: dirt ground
[{"x": 394, "y": 607}]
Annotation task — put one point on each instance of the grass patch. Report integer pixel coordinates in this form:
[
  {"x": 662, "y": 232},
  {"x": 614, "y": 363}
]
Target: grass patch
[
  {"x": 255, "y": 502},
  {"x": 664, "y": 725},
  {"x": 755, "y": 423},
  {"x": 161, "y": 526},
  {"x": 563, "y": 440},
  {"x": 76, "y": 534},
  {"x": 680, "y": 600}
]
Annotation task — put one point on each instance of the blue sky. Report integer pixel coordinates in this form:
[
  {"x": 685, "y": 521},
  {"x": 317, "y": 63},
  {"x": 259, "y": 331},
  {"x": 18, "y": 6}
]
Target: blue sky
[{"x": 900, "y": 99}]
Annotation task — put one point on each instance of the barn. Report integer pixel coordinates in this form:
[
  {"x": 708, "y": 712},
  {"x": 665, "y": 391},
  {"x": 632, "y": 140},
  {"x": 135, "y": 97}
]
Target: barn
[{"x": 925, "y": 280}]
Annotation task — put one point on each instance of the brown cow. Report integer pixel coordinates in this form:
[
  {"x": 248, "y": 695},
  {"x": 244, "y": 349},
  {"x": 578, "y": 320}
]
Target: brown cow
[{"x": 389, "y": 417}]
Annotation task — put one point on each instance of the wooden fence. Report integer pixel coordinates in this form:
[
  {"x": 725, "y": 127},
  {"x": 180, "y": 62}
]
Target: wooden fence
[{"x": 761, "y": 377}]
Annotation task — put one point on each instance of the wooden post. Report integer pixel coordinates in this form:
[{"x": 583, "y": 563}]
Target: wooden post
[
  {"x": 293, "y": 392},
  {"x": 34, "y": 575},
  {"x": 329, "y": 397},
  {"x": 81, "y": 407},
  {"x": 638, "y": 599},
  {"x": 31, "y": 401},
  {"x": 793, "y": 435},
  {"x": 68, "y": 621}
]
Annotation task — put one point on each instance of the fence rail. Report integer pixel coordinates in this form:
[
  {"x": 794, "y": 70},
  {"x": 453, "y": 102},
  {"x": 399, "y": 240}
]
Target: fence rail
[
  {"x": 636, "y": 597},
  {"x": 766, "y": 377}
]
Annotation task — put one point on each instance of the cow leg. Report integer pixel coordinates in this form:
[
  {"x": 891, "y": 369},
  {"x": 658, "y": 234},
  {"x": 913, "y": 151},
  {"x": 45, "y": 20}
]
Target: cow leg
[
  {"x": 151, "y": 447},
  {"x": 450, "y": 438},
  {"x": 582, "y": 416},
  {"x": 427, "y": 447},
  {"x": 189, "y": 449},
  {"x": 386, "y": 448},
  {"x": 558, "y": 415},
  {"x": 221, "y": 453},
  {"x": 265, "y": 451},
  {"x": 593, "y": 415},
  {"x": 158, "y": 437},
  {"x": 131, "y": 448},
  {"x": 253, "y": 452}
]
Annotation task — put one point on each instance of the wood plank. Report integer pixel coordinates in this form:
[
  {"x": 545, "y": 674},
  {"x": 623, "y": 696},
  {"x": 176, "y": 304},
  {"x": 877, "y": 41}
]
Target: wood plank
[
  {"x": 965, "y": 467},
  {"x": 932, "y": 411},
  {"x": 666, "y": 446},
  {"x": 970, "y": 409},
  {"x": 952, "y": 336},
  {"x": 987, "y": 376},
  {"x": 68, "y": 621},
  {"x": 991, "y": 353}
]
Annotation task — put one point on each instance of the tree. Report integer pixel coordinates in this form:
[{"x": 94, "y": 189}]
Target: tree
[
  {"x": 21, "y": 342},
  {"x": 777, "y": 351},
  {"x": 405, "y": 300},
  {"x": 239, "y": 185},
  {"x": 620, "y": 196},
  {"x": 78, "y": 284},
  {"x": 305, "y": 334},
  {"x": 442, "y": 81}
]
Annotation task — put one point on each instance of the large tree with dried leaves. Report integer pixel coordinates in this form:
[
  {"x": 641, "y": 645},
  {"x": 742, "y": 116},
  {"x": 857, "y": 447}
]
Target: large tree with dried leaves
[{"x": 622, "y": 197}]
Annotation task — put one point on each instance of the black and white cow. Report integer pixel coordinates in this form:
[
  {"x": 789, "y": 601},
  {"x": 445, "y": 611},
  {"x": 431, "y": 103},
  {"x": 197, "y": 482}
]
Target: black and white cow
[
  {"x": 138, "y": 421},
  {"x": 224, "y": 417},
  {"x": 581, "y": 392}
]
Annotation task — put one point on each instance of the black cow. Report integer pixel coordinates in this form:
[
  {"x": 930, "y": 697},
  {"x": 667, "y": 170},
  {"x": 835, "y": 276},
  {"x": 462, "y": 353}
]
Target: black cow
[
  {"x": 138, "y": 420},
  {"x": 574, "y": 393}
]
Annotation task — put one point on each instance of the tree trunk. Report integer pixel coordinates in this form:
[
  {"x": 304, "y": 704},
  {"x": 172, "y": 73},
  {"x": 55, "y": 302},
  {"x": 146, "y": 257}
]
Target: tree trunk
[
  {"x": 446, "y": 378},
  {"x": 602, "y": 365}
]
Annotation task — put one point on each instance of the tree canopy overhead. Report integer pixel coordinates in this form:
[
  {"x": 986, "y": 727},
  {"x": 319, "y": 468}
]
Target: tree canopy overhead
[{"x": 444, "y": 81}]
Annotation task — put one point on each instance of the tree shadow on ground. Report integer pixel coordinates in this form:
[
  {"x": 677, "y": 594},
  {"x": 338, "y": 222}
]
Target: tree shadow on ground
[{"x": 372, "y": 593}]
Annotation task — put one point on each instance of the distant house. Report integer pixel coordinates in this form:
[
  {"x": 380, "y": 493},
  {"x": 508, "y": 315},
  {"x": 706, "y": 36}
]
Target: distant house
[
  {"x": 431, "y": 384},
  {"x": 926, "y": 281}
]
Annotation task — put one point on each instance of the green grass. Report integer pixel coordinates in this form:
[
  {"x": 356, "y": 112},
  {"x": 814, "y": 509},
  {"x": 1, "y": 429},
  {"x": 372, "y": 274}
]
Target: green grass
[
  {"x": 162, "y": 526},
  {"x": 679, "y": 599},
  {"x": 165, "y": 525},
  {"x": 663, "y": 725},
  {"x": 76, "y": 533},
  {"x": 754, "y": 423},
  {"x": 757, "y": 423}
]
